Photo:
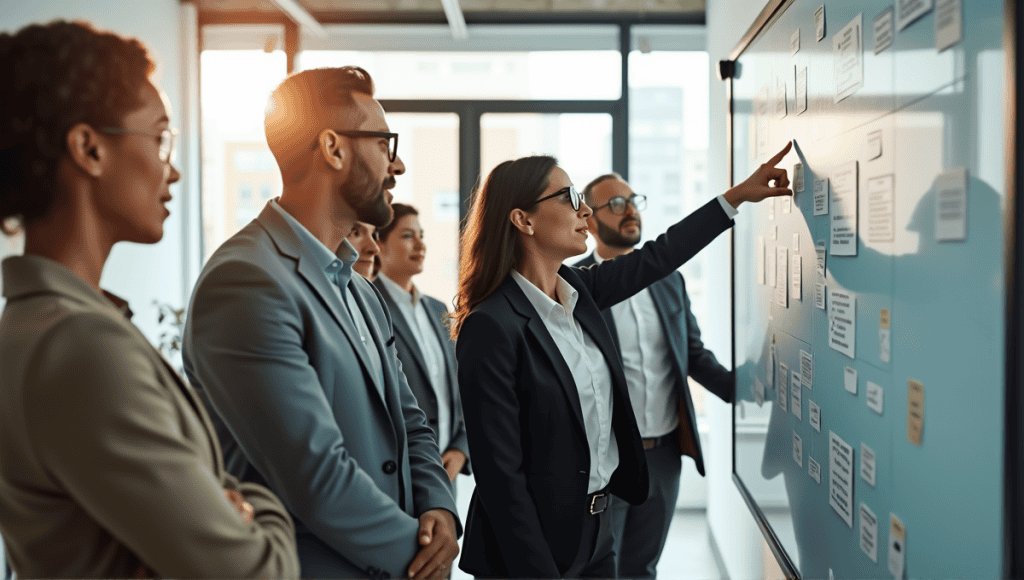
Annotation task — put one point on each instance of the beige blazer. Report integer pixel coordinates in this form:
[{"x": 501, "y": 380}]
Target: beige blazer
[{"x": 107, "y": 458}]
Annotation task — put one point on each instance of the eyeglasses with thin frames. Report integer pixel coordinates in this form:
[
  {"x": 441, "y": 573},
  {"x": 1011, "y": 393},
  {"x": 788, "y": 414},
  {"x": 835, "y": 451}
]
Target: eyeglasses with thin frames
[
  {"x": 617, "y": 204},
  {"x": 574, "y": 197},
  {"x": 391, "y": 137},
  {"x": 167, "y": 137}
]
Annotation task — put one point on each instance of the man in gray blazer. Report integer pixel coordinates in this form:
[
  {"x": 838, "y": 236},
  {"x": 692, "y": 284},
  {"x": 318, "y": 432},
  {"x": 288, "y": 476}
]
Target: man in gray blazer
[
  {"x": 660, "y": 344},
  {"x": 297, "y": 355}
]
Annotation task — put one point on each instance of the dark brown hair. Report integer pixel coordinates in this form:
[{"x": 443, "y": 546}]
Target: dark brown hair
[
  {"x": 400, "y": 210},
  {"x": 490, "y": 245},
  {"x": 588, "y": 191},
  {"x": 56, "y": 76}
]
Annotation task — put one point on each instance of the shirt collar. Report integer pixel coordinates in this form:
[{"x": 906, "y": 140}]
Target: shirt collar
[
  {"x": 398, "y": 294},
  {"x": 545, "y": 306},
  {"x": 337, "y": 266}
]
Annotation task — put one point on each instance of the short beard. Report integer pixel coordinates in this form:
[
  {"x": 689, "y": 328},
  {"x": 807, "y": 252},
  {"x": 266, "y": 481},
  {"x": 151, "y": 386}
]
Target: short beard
[
  {"x": 367, "y": 197},
  {"x": 613, "y": 239}
]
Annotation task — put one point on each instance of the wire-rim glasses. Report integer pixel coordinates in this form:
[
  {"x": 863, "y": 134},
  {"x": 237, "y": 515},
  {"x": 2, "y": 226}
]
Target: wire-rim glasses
[
  {"x": 167, "y": 137},
  {"x": 618, "y": 204}
]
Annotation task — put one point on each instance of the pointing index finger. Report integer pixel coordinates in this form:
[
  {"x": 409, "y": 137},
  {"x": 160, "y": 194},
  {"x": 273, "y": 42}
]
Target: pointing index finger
[{"x": 778, "y": 156}]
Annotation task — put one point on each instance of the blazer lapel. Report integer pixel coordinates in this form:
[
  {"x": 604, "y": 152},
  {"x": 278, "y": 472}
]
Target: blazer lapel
[
  {"x": 387, "y": 390},
  {"x": 437, "y": 312},
  {"x": 535, "y": 325},
  {"x": 402, "y": 327}
]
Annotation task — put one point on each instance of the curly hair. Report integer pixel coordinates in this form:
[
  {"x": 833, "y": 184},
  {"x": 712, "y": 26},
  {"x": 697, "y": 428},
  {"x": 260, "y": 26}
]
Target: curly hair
[{"x": 57, "y": 75}]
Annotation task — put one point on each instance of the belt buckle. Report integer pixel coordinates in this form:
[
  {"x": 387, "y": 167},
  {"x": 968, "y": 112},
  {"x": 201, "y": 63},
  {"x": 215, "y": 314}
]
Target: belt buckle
[
  {"x": 593, "y": 502},
  {"x": 650, "y": 443}
]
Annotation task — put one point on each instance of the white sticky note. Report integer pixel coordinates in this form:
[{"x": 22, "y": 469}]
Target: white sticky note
[
  {"x": 844, "y": 211},
  {"x": 781, "y": 277},
  {"x": 783, "y": 387},
  {"x": 850, "y": 380},
  {"x": 819, "y": 295},
  {"x": 867, "y": 464},
  {"x": 775, "y": 232},
  {"x": 796, "y": 396},
  {"x": 801, "y": 89},
  {"x": 806, "y": 369},
  {"x": 876, "y": 399},
  {"x": 786, "y": 204},
  {"x": 798, "y": 449},
  {"x": 794, "y": 42},
  {"x": 881, "y": 209},
  {"x": 842, "y": 322},
  {"x": 814, "y": 415},
  {"x": 840, "y": 477},
  {"x": 868, "y": 533},
  {"x": 848, "y": 53},
  {"x": 819, "y": 23},
  {"x": 795, "y": 278},
  {"x": 948, "y": 23},
  {"x": 796, "y": 242},
  {"x": 884, "y": 32},
  {"x": 780, "y": 99},
  {"x": 758, "y": 392},
  {"x": 819, "y": 249},
  {"x": 814, "y": 470},
  {"x": 907, "y": 11},
  {"x": 798, "y": 178},
  {"x": 759, "y": 274},
  {"x": 873, "y": 147},
  {"x": 951, "y": 205},
  {"x": 821, "y": 196},
  {"x": 897, "y": 547}
]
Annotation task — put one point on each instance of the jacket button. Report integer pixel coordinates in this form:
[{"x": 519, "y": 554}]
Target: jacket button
[{"x": 389, "y": 467}]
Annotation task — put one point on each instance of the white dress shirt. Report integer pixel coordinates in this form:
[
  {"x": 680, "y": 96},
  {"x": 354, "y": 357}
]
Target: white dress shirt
[
  {"x": 589, "y": 370},
  {"x": 415, "y": 313}
]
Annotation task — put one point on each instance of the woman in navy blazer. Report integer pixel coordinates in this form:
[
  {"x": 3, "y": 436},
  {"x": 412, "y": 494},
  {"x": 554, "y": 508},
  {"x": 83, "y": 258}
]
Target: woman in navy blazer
[{"x": 533, "y": 514}]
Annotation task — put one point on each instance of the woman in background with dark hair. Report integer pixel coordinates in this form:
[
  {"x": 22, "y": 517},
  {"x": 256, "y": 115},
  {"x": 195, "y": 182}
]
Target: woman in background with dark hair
[
  {"x": 109, "y": 466},
  {"x": 550, "y": 424}
]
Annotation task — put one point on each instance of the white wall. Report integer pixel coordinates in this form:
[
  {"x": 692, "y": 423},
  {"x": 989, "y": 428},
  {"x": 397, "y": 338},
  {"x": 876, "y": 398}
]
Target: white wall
[
  {"x": 734, "y": 529},
  {"x": 139, "y": 273}
]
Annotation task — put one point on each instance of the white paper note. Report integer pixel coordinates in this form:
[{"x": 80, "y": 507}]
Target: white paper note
[
  {"x": 873, "y": 148},
  {"x": 794, "y": 42},
  {"x": 951, "y": 205},
  {"x": 796, "y": 396},
  {"x": 850, "y": 380},
  {"x": 819, "y": 295},
  {"x": 798, "y": 179},
  {"x": 814, "y": 470},
  {"x": 806, "y": 369},
  {"x": 867, "y": 464},
  {"x": 814, "y": 415},
  {"x": 801, "y": 89},
  {"x": 876, "y": 398},
  {"x": 781, "y": 277},
  {"x": 840, "y": 477},
  {"x": 758, "y": 392},
  {"x": 795, "y": 278},
  {"x": 798, "y": 449},
  {"x": 786, "y": 204},
  {"x": 908, "y": 11},
  {"x": 783, "y": 387},
  {"x": 819, "y": 23},
  {"x": 948, "y": 23},
  {"x": 842, "y": 321},
  {"x": 881, "y": 220},
  {"x": 796, "y": 243},
  {"x": 780, "y": 99},
  {"x": 848, "y": 52},
  {"x": 868, "y": 533},
  {"x": 884, "y": 30},
  {"x": 771, "y": 207},
  {"x": 884, "y": 338},
  {"x": 760, "y": 260},
  {"x": 897, "y": 546},
  {"x": 819, "y": 249},
  {"x": 821, "y": 196},
  {"x": 844, "y": 211}
]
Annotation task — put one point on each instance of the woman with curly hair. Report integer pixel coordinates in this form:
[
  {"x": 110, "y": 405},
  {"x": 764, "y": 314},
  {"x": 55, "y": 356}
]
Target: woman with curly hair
[{"x": 109, "y": 465}]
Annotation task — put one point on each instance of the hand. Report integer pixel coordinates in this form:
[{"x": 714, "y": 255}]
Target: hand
[
  {"x": 453, "y": 461},
  {"x": 756, "y": 187},
  {"x": 437, "y": 536},
  {"x": 243, "y": 507}
]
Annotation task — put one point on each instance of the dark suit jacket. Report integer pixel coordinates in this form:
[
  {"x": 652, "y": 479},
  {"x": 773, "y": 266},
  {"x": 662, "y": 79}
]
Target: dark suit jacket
[
  {"x": 523, "y": 414},
  {"x": 687, "y": 355},
  {"x": 415, "y": 367}
]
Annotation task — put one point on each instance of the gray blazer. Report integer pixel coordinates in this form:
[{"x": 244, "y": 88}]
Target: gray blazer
[
  {"x": 108, "y": 461},
  {"x": 272, "y": 345},
  {"x": 415, "y": 367}
]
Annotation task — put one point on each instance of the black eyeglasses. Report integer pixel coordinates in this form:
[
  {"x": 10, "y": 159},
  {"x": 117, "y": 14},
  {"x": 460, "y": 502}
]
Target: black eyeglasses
[
  {"x": 617, "y": 204},
  {"x": 166, "y": 137},
  {"x": 391, "y": 137},
  {"x": 574, "y": 197}
]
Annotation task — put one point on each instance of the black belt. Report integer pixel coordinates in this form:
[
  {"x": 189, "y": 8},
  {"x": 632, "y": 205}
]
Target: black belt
[
  {"x": 652, "y": 442},
  {"x": 598, "y": 501}
]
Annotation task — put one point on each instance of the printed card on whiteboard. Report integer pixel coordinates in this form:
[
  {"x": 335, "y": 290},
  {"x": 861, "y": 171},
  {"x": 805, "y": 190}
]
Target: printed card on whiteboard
[
  {"x": 842, "y": 321},
  {"x": 844, "y": 211},
  {"x": 951, "y": 205},
  {"x": 848, "y": 52},
  {"x": 840, "y": 477},
  {"x": 907, "y": 11}
]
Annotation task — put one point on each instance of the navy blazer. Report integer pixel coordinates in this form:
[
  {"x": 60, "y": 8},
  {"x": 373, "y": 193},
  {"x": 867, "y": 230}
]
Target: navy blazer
[
  {"x": 687, "y": 355},
  {"x": 415, "y": 367},
  {"x": 530, "y": 451}
]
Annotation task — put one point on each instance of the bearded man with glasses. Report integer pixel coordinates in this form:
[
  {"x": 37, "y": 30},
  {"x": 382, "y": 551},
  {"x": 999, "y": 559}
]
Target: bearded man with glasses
[{"x": 659, "y": 341}]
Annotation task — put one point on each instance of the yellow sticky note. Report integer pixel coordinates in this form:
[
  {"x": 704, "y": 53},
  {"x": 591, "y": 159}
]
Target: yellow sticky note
[{"x": 915, "y": 411}]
